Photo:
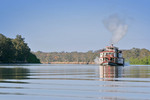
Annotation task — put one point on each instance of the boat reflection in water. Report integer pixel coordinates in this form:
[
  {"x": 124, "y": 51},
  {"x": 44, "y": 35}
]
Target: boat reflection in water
[{"x": 109, "y": 73}]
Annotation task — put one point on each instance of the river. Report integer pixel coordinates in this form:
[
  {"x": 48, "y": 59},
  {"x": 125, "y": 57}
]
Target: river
[{"x": 74, "y": 82}]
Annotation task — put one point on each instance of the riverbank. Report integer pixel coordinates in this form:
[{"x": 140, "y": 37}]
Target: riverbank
[
  {"x": 80, "y": 63},
  {"x": 68, "y": 62}
]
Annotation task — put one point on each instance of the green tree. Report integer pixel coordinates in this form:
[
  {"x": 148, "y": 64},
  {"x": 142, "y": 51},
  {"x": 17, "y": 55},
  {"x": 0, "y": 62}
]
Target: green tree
[
  {"x": 15, "y": 50},
  {"x": 6, "y": 49},
  {"x": 22, "y": 50}
]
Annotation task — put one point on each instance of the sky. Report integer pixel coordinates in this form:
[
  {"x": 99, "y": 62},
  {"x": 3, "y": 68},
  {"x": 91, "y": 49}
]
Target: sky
[{"x": 74, "y": 25}]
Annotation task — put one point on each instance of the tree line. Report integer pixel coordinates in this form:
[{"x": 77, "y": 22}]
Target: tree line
[
  {"x": 133, "y": 56},
  {"x": 15, "y": 51},
  {"x": 137, "y": 56},
  {"x": 66, "y": 56}
]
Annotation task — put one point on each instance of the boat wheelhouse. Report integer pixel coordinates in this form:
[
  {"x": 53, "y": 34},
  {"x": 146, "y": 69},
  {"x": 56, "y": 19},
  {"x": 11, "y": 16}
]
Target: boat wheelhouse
[{"x": 111, "y": 56}]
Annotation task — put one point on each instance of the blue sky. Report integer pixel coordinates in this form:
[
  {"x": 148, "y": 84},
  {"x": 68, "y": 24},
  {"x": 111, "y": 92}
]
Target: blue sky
[{"x": 74, "y": 25}]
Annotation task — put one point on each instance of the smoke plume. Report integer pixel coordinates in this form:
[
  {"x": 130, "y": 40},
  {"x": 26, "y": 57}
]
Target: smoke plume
[
  {"x": 116, "y": 26},
  {"x": 96, "y": 60}
]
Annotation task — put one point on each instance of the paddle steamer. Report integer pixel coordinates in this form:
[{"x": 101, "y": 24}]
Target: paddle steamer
[{"x": 111, "y": 55}]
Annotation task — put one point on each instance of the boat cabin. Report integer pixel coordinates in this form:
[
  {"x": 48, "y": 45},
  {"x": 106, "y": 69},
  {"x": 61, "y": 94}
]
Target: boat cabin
[{"x": 111, "y": 56}]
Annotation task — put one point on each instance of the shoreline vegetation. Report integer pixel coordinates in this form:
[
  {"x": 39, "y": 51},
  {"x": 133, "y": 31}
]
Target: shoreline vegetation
[
  {"x": 134, "y": 56},
  {"x": 68, "y": 62},
  {"x": 17, "y": 51}
]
